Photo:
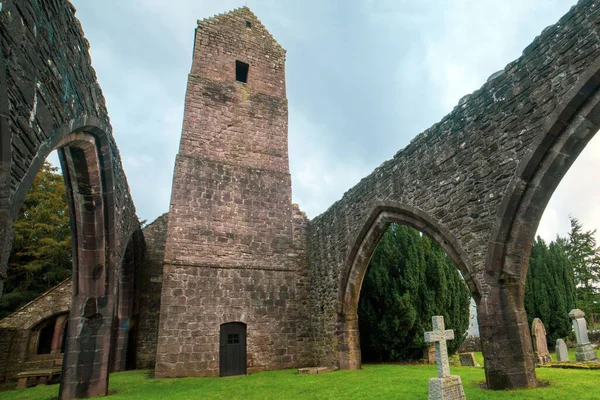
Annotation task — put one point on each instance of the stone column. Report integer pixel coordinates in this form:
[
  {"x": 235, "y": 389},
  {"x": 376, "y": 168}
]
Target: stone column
[
  {"x": 58, "y": 333},
  {"x": 505, "y": 337},
  {"x": 86, "y": 358},
  {"x": 349, "y": 343}
]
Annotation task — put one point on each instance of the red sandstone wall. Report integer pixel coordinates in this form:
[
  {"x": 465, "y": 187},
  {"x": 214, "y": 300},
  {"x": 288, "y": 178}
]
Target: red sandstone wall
[{"x": 233, "y": 251}]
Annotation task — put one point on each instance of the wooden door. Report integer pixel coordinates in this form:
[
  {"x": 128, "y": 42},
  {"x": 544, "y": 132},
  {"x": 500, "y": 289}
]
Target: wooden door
[{"x": 232, "y": 354}]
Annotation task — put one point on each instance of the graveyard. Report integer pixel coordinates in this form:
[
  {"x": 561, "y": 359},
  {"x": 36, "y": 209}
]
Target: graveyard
[
  {"x": 372, "y": 382},
  {"x": 235, "y": 292}
]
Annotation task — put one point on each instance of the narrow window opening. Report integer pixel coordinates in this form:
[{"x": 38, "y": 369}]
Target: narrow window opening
[
  {"x": 248, "y": 24},
  {"x": 45, "y": 336},
  {"x": 241, "y": 71}
]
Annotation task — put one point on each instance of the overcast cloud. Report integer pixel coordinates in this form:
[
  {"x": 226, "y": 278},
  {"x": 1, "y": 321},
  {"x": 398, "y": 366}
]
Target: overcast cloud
[{"x": 363, "y": 78}]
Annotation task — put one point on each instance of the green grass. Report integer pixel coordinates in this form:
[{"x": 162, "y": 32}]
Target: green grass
[{"x": 372, "y": 382}]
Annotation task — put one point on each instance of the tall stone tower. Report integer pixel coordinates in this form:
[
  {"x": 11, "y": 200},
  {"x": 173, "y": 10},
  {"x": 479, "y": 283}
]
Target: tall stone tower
[{"x": 234, "y": 288}]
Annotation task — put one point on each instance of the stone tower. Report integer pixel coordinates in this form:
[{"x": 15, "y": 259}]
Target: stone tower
[{"x": 234, "y": 289}]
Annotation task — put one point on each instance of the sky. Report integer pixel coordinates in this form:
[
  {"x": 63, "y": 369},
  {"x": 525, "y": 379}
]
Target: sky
[{"x": 363, "y": 78}]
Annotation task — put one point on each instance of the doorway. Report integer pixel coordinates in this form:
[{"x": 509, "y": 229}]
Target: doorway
[{"x": 232, "y": 355}]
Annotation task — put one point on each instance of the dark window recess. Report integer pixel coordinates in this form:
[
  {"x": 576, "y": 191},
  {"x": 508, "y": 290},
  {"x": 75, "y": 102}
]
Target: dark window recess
[
  {"x": 241, "y": 71},
  {"x": 233, "y": 338},
  {"x": 45, "y": 338},
  {"x": 248, "y": 24}
]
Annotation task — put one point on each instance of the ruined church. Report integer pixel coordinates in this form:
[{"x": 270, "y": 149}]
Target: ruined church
[{"x": 234, "y": 279}]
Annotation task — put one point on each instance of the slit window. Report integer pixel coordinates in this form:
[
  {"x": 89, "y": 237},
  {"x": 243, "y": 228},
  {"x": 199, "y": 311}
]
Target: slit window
[{"x": 241, "y": 71}]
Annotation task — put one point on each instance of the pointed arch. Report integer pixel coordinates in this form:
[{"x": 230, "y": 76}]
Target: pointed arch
[{"x": 358, "y": 261}]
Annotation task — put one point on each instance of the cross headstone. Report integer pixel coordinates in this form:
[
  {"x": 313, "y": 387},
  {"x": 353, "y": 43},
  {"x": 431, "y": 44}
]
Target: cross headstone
[
  {"x": 562, "y": 354},
  {"x": 585, "y": 351},
  {"x": 540, "y": 346},
  {"x": 438, "y": 337},
  {"x": 445, "y": 386}
]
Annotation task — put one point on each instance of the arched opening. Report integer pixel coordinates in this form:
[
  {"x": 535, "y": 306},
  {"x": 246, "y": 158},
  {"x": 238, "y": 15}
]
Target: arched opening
[
  {"x": 567, "y": 131},
  {"x": 409, "y": 280},
  {"x": 349, "y": 353},
  {"x": 40, "y": 257},
  {"x": 47, "y": 337},
  {"x": 232, "y": 349},
  {"x": 85, "y": 155}
]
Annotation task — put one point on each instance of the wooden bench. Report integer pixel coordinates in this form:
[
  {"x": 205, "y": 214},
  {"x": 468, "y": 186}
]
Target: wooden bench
[{"x": 43, "y": 376}]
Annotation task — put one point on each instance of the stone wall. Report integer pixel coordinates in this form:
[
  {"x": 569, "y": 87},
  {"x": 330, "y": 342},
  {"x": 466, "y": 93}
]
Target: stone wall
[
  {"x": 466, "y": 179},
  {"x": 16, "y": 330},
  {"x": 235, "y": 244},
  {"x": 50, "y": 98},
  {"x": 151, "y": 275}
]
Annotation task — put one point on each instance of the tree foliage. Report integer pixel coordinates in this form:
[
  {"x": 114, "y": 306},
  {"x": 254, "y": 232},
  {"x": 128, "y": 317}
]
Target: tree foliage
[
  {"x": 550, "y": 287},
  {"x": 41, "y": 252},
  {"x": 409, "y": 280},
  {"x": 584, "y": 256}
]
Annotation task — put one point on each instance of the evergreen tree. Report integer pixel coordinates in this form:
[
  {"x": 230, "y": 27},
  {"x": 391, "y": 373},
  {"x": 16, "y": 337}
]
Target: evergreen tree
[
  {"x": 409, "y": 280},
  {"x": 41, "y": 252},
  {"x": 550, "y": 288},
  {"x": 584, "y": 256}
]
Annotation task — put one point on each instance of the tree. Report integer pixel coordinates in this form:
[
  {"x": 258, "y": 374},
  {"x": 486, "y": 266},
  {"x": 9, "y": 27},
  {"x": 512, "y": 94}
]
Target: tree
[
  {"x": 550, "y": 287},
  {"x": 41, "y": 253},
  {"x": 409, "y": 279},
  {"x": 584, "y": 256}
]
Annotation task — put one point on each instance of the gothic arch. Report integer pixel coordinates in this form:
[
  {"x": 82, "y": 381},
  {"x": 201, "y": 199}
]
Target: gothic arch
[
  {"x": 566, "y": 133},
  {"x": 358, "y": 261}
]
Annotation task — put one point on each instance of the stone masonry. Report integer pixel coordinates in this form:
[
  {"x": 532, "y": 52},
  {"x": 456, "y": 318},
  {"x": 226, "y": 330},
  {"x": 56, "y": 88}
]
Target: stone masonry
[
  {"x": 235, "y": 244},
  {"x": 477, "y": 182},
  {"x": 18, "y": 333},
  {"x": 155, "y": 235},
  {"x": 237, "y": 250},
  {"x": 50, "y": 99}
]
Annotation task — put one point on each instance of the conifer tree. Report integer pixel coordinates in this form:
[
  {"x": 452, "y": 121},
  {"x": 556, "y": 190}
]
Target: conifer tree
[
  {"x": 584, "y": 256},
  {"x": 41, "y": 254},
  {"x": 409, "y": 279},
  {"x": 550, "y": 288}
]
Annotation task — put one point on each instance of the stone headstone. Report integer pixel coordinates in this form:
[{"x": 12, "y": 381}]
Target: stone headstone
[
  {"x": 429, "y": 355},
  {"x": 468, "y": 360},
  {"x": 445, "y": 386},
  {"x": 540, "y": 346},
  {"x": 585, "y": 351},
  {"x": 562, "y": 354}
]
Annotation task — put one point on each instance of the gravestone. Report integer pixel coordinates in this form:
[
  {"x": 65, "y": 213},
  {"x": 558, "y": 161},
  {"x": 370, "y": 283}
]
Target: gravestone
[
  {"x": 468, "y": 360},
  {"x": 445, "y": 386},
  {"x": 540, "y": 346},
  {"x": 429, "y": 355},
  {"x": 562, "y": 354},
  {"x": 585, "y": 351}
]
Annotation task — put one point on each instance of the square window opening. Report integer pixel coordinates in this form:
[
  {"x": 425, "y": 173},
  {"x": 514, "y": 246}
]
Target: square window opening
[
  {"x": 233, "y": 338},
  {"x": 248, "y": 24},
  {"x": 241, "y": 71}
]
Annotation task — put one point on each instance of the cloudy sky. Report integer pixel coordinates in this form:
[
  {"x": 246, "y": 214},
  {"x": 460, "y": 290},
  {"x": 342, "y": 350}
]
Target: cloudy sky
[{"x": 363, "y": 78}]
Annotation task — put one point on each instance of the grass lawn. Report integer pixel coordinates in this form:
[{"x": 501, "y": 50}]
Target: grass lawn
[{"x": 372, "y": 382}]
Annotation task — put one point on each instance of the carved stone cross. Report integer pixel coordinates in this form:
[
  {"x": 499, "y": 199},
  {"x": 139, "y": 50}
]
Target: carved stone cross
[{"x": 439, "y": 337}]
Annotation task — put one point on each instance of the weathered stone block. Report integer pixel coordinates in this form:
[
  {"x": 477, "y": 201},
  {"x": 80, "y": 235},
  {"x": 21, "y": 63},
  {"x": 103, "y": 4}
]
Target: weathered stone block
[{"x": 448, "y": 388}]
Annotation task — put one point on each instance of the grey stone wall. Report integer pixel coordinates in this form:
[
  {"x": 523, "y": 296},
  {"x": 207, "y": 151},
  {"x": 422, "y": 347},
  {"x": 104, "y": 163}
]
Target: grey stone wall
[
  {"x": 469, "y": 175},
  {"x": 50, "y": 97},
  {"x": 16, "y": 332},
  {"x": 151, "y": 275}
]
